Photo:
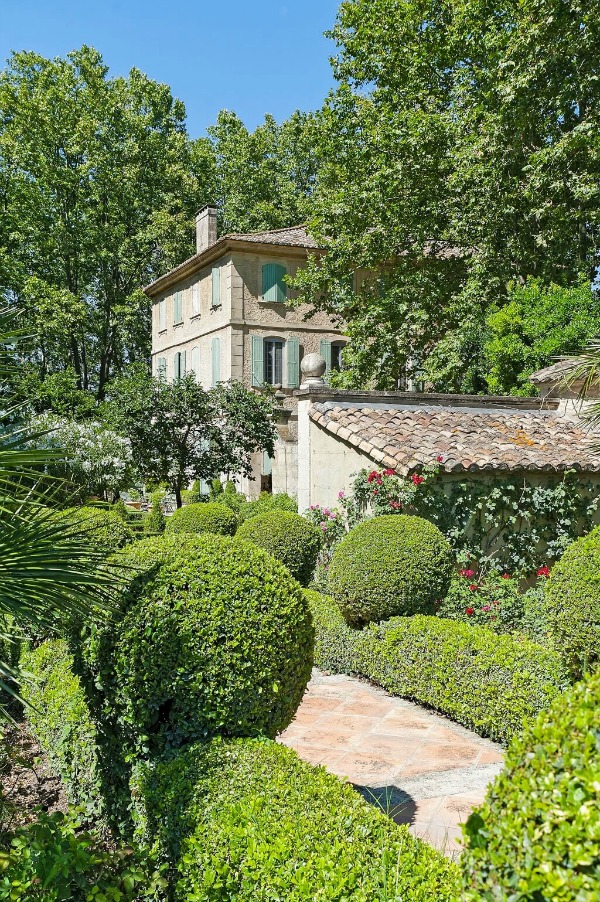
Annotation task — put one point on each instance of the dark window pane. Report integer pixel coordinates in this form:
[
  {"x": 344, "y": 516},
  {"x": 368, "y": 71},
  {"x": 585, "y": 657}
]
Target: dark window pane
[{"x": 274, "y": 362}]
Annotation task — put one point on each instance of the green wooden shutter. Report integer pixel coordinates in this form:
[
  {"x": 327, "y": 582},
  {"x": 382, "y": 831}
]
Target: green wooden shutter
[
  {"x": 216, "y": 361},
  {"x": 177, "y": 308},
  {"x": 161, "y": 367},
  {"x": 162, "y": 315},
  {"x": 293, "y": 362},
  {"x": 182, "y": 364},
  {"x": 216, "y": 286},
  {"x": 258, "y": 361},
  {"x": 326, "y": 353},
  {"x": 274, "y": 287}
]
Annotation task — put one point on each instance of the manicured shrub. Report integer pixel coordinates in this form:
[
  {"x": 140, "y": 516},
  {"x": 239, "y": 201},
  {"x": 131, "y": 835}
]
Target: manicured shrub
[
  {"x": 289, "y": 538},
  {"x": 155, "y": 522},
  {"x": 217, "y": 640},
  {"x": 537, "y": 836},
  {"x": 60, "y": 720},
  {"x": 199, "y": 518},
  {"x": 53, "y": 860},
  {"x": 248, "y": 820},
  {"x": 265, "y": 503},
  {"x": 573, "y": 604},
  {"x": 390, "y": 565},
  {"x": 489, "y": 683},
  {"x": 105, "y": 527}
]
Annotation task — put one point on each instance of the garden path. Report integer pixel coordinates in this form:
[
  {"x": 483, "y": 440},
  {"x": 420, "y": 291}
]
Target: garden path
[{"x": 423, "y": 769}]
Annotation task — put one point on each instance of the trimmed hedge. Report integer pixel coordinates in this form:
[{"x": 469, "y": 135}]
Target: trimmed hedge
[
  {"x": 106, "y": 528},
  {"x": 201, "y": 518},
  {"x": 390, "y": 565},
  {"x": 289, "y": 538},
  {"x": 537, "y": 836},
  {"x": 61, "y": 722},
  {"x": 249, "y": 820},
  {"x": 489, "y": 683},
  {"x": 573, "y": 604}
]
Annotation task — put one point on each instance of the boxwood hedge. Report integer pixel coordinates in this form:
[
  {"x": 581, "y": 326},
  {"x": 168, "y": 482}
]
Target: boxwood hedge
[
  {"x": 106, "y": 528},
  {"x": 573, "y": 604},
  {"x": 390, "y": 565},
  {"x": 489, "y": 683},
  {"x": 199, "y": 518},
  {"x": 289, "y": 538},
  {"x": 537, "y": 836},
  {"x": 60, "y": 720},
  {"x": 248, "y": 820}
]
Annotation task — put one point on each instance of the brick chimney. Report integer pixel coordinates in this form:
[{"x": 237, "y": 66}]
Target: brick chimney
[{"x": 206, "y": 228}]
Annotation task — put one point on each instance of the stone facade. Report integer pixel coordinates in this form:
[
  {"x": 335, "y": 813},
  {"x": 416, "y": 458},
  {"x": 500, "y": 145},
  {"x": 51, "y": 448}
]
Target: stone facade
[{"x": 207, "y": 312}]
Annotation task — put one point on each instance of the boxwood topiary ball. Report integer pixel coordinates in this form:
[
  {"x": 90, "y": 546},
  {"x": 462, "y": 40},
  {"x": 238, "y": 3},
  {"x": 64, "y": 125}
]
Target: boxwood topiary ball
[
  {"x": 220, "y": 642},
  {"x": 289, "y": 538},
  {"x": 207, "y": 517},
  {"x": 389, "y": 566},
  {"x": 573, "y": 605},
  {"x": 537, "y": 835}
]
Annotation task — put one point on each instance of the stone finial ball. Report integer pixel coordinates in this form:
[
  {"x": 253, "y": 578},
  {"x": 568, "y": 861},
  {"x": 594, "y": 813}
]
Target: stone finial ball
[{"x": 313, "y": 366}]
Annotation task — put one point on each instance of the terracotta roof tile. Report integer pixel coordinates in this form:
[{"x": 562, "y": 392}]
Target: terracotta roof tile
[
  {"x": 297, "y": 236},
  {"x": 470, "y": 439}
]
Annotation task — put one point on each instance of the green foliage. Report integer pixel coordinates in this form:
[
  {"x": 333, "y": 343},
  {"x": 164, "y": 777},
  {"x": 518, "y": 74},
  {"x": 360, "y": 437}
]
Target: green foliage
[
  {"x": 489, "y": 683},
  {"x": 537, "y": 835},
  {"x": 249, "y": 820},
  {"x": 179, "y": 431},
  {"x": 155, "y": 523},
  {"x": 98, "y": 203},
  {"x": 536, "y": 325},
  {"x": 491, "y": 599},
  {"x": 265, "y": 177},
  {"x": 218, "y": 643},
  {"x": 53, "y": 860},
  {"x": 105, "y": 529},
  {"x": 121, "y": 509},
  {"x": 198, "y": 518},
  {"x": 573, "y": 604},
  {"x": 288, "y": 537},
  {"x": 390, "y": 565},
  {"x": 267, "y": 502},
  {"x": 60, "y": 720}
]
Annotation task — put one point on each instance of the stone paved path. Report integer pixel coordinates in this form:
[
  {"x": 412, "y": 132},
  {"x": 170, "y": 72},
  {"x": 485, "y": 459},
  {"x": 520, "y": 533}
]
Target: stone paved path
[{"x": 423, "y": 769}]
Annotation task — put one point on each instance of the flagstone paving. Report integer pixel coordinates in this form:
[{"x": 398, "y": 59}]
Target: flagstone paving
[{"x": 421, "y": 768}]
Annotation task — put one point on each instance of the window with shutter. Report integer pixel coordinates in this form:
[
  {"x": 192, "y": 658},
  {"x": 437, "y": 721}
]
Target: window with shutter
[
  {"x": 179, "y": 365},
  {"x": 216, "y": 286},
  {"x": 293, "y": 362},
  {"x": 258, "y": 361},
  {"x": 273, "y": 351},
  {"x": 162, "y": 315},
  {"x": 216, "y": 361},
  {"x": 274, "y": 290},
  {"x": 325, "y": 351},
  {"x": 195, "y": 363},
  {"x": 161, "y": 367},
  {"x": 177, "y": 308}
]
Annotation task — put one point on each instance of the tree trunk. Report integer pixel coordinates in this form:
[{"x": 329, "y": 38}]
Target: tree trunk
[{"x": 178, "y": 495}]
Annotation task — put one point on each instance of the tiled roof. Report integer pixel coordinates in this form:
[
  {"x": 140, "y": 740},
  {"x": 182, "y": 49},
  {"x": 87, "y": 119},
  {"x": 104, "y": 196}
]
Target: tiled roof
[
  {"x": 297, "y": 236},
  {"x": 468, "y": 438}
]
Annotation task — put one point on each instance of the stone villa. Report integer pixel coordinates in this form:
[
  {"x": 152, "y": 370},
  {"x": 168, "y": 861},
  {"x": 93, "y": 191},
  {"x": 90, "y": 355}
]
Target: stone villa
[{"x": 222, "y": 314}]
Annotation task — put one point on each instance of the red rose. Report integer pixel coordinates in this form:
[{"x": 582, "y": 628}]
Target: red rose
[
  {"x": 506, "y": 576},
  {"x": 417, "y": 480},
  {"x": 466, "y": 572},
  {"x": 470, "y": 611},
  {"x": 389, "y": 472},
  {"x": 544, "y": 571},
  {"x": 473, "y": 588},
  {"x": 440, "y": 459}
]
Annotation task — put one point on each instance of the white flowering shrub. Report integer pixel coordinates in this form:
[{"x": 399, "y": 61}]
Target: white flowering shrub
[{"x": 97, "y": 460}]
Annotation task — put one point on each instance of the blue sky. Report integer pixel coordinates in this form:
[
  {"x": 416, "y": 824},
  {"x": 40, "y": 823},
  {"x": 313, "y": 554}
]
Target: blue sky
[{"x": 266, "y": 56}]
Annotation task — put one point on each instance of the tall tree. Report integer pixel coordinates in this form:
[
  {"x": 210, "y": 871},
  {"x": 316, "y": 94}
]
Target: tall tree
[
  {"x": 98, "y": 187},
  {"x": 265, "y": 178},
  {"x": 456, "y": 124}
]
